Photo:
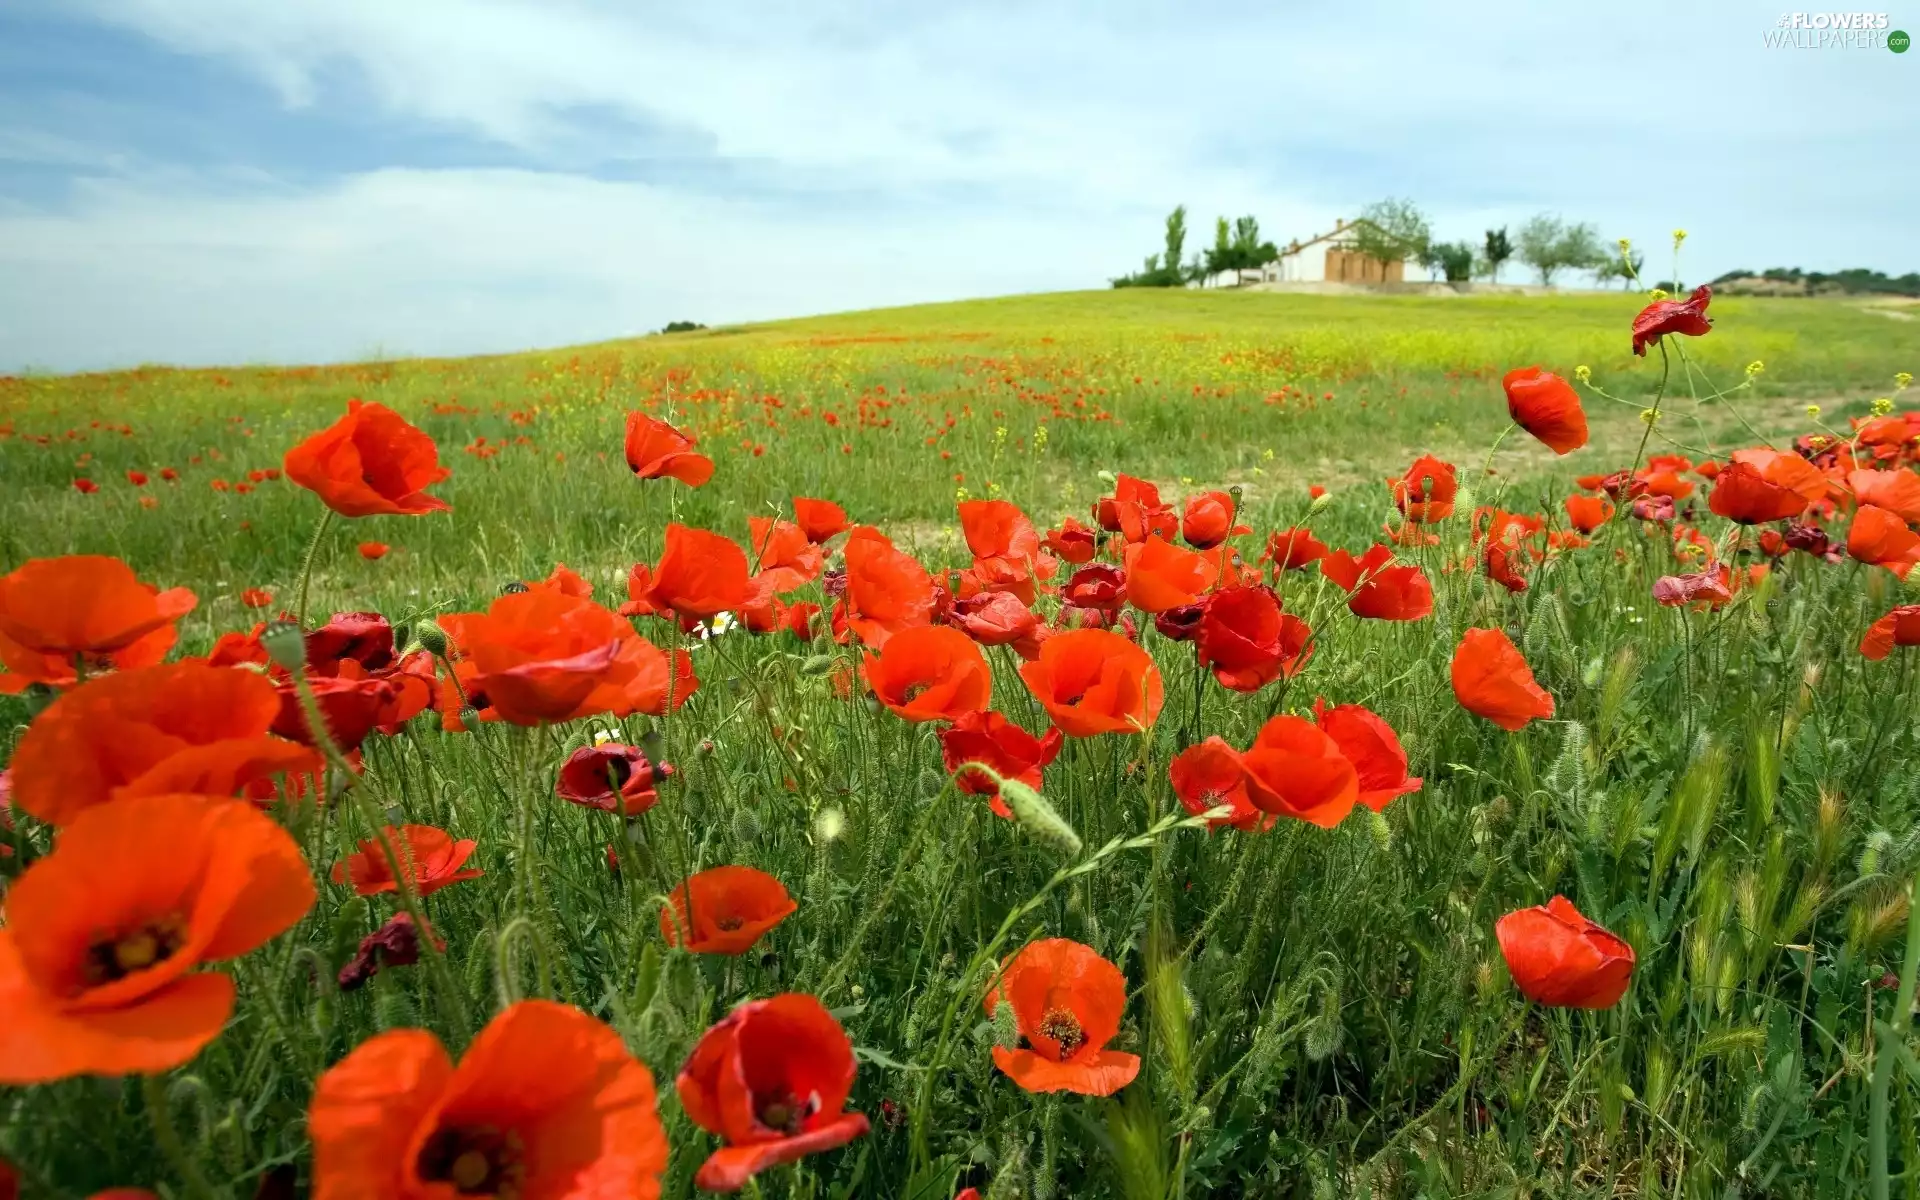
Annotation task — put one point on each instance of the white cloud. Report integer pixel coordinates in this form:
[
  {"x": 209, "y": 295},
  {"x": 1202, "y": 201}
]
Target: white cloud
[{"x": 908, "y": 151}]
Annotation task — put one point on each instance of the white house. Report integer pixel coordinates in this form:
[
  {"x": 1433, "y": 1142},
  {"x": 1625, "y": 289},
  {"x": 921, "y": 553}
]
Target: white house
[{"x": 1331, "y": 258}]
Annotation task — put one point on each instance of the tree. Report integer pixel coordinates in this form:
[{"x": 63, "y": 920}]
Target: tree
[
  {"x": 1496, "y": 251},
  {"x": 1624, "y": 266},
  {"x": 1163, "y": 270},
  {"x": 1454, "y": 260},
  {"x": 1176, "y": 237},
  {"x": 1391, "y": 230},
  {"x": 1548, "y": 244}
]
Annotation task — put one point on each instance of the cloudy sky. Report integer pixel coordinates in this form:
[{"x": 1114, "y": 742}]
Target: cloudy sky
[{"x": 238, "y": 181}]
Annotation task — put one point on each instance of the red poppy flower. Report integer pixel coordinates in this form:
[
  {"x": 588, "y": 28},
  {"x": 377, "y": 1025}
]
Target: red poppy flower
[
  {"x": 256, "y": 597},
  {"x": 771, "y": 1079},
  {"x": 1376, "y": 588},
  {"x": 1662, "y": 317},
  {"x": 352, "y": 705},
  {"x": 733, "y": 907},
  {"x": 1492, "y": 680},
  {"x": 547, "y": 1101},
  {"x": 1098, "y": 586},
  {"x": 1135, "y": 511},
  {"x": 137, "y": 478},
  {"x": 1209, "y": 774},
  {"x": 1094, "y": 681},
  {"x": 1547, "y": 407},
  {"x": 930, "y": 673},
  {"x": 99, "y": 954},
  {"x": 85, "y": 604},
  {"x": 784, "y": 557},
  {"x": 541, "y": 657},
  {"x": 394, "y": 944},
  {"x": 1764, "y": 485},
  {"x": 887, "y": 589},
  {"x": 988, "y": 737},
  {"x": 591, "y": 773},
  {"x": 994, "y": 618},
  {"x": 1067, "y": 1002},
  {"x": 1896, "y": 491},
  {"x": 1073, "y": 542},
  {"x": 373, "y": 551},
  {"x": 700, "y": 574},
  {"x": 365, "y": 638},
  {"x": 656, "y": 449},
  {"x": 565, "y": 580},
  {"x": 370, "y": 462},
  {"x": 1293, "y": 549},
  {"x": 1181, "y": 624},
  {"x": 1296, "y": 770},
  {"x": 1208, "y": 520},
  {"x": 1588, "y": 513},
  {"x": 821, "y": 519},
  {"x": 1883, "y": 539},
  {"x": 176, "y": 728},
  {"x": 86, "y": 487},
  {"x": 1561, "y": 959},
  {"x": 1900, "y": 627},
  {"x": 1708, "y": 589},
  {"x": 1424, "y": 495},
  {"x": 431, "y": 858},
  {"x": 1371, "y": 745},
  {"x": 1160, "y": 575},
  {"x": 1247, "y": 642}
]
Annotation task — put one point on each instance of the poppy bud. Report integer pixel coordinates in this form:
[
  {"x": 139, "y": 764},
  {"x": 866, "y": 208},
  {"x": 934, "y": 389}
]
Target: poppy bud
[
  {"x": 1006, "y": 1027},
  {"x": 1320, "y": 503},
  {"x": 1032, "y": 810},
  {"x": 285, "y": 645},
  {"x": 746, "y": 825},
  {"x": 818, "y": 664},
  {"x": 431, "y": 637}
]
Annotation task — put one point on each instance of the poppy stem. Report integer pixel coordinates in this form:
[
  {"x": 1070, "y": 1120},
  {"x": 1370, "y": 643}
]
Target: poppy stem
[
  {"x": 1893, "y": 1037},
  {"x": 306, "y": 565},
  {"x": 160, "y": 1114}
]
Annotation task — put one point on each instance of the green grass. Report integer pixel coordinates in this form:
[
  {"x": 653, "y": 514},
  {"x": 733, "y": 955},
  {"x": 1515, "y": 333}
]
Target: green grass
[{"x": 1320, "y": 1013}]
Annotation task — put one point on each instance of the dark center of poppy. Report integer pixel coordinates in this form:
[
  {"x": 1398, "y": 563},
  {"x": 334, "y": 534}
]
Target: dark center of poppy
[
  {"x": 728, "y": 923},
  {"x": 619, "y": 770},
  {"x": 476, "y": 1160},
  {"x": 1063, "y": 1027},
  {"x": 135, "y": 950},
  {"x": 913, "y": 691},
  {"x": 782, "y": 1112}
]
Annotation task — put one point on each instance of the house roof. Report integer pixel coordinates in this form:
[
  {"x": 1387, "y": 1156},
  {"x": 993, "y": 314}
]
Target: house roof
[{"x": 1345, "y": 228}]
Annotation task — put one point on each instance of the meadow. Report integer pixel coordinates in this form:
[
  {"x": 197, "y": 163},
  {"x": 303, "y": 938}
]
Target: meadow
[{"x": 1262, "y": 803}]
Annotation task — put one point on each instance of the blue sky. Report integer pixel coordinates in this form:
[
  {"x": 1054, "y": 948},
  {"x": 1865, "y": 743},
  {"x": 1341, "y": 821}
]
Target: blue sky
[{"x": 232, "y": 181}]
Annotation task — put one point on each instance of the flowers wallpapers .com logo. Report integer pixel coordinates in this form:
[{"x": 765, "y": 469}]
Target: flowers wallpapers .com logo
[{"x": 1837, "y": 31}]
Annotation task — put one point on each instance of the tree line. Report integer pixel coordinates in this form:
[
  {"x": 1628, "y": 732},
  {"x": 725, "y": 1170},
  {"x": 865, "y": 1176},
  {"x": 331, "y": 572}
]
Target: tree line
[{"x": 1396, "y": 230}]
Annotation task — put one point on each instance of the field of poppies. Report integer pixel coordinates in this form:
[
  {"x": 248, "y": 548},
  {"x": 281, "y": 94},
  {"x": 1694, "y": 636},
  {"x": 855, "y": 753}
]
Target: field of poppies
[{"x": 1120, "y": 745}]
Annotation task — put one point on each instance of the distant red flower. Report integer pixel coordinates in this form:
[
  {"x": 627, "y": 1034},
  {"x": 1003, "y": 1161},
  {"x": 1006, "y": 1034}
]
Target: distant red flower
[
  {"x": 988, "y": 737},
  {"x": 1296, "y": 770},
  {"x": 430, "y": 858},
  {"x": 1424, "y": 495},
  {"x": 821, "y": 519},
  {"x": 1160, "y": 575},
  {"x": 1371, "y": 745},
  {"x": 1294, "y": 549},
  {"x": 1208, "y": 520},
  {"x": 1209, "y": 774},
  {"x": 86, "y": 487},
  {"x": 591, "y": 774},
  {"x": 1882, "y": 539},
  {"x": 547, "y": 1101},
  {"x": 887, "y": 590},
  {"x": 1896, "y": 491},
  {"x": 1492, "y": 680},
  {"x": 372, "y": 551},
  {"x": 1247, "y": 642},
  {"x": 1094, "y": 681},
  {"x": 733, "y": 907},
  {"x": 1662, "y": 317},
  {"x": 771, "y": 1079},
  {"x": 700, "y": 574},
  {"x": 169, "y": 474},
  {"x": 1315, "y": 491},
  {"x": 1561, "y": 959},
  {"x": 1073, "y": 542},
  {"x": 1900, "y": 627},
  {"x": 1067, "y": 1003},
  {"x": 657, "y": 450},
  {"x": 1588, "y": 513},
  {"x": 137, "y": 478},
  {"x": 1377, "y": 588},
  {"x": 929, "y": 673},
  {"x": 256, "y": 597},
  {"x": 1765, "y": 485},
  {"x": 1547, "y": 407},
  {"x": 368, "y": 463},
  {"x": 994, "y": 618}
]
